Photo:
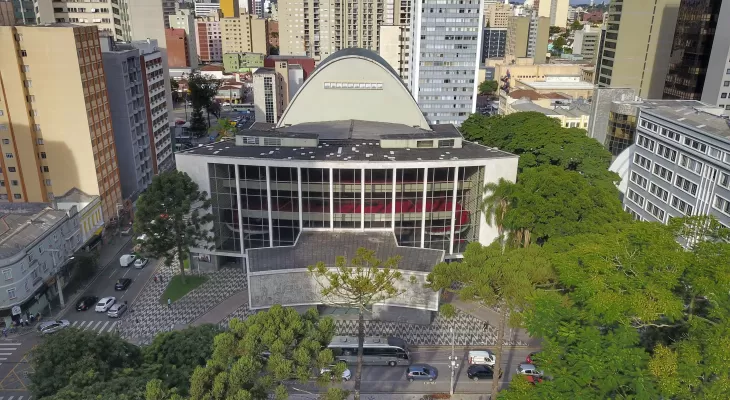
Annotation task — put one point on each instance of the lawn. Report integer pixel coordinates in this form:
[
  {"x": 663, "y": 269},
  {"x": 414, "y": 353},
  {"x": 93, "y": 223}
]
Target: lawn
[{"x": 176, "y": 289}]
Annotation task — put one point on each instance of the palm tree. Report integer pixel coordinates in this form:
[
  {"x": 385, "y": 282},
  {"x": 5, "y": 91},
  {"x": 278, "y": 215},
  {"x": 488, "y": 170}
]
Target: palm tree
[{"x": 497, "y": 200}]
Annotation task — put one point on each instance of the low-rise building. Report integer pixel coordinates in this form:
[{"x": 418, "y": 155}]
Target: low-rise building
[
  {"x": 570, "y": 116},
  {"x": 573, "y": 86},
  {"x": 242, "y": 62},
  {"x": 547, "y": 100},
  {"x": 231, "y": 92}
]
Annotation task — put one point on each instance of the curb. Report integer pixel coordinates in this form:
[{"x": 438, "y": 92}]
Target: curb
[{"x": 448, "y": 347}]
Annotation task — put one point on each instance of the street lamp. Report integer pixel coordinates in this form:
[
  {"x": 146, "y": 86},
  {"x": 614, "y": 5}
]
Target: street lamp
[{"x": 453, "y": 365}]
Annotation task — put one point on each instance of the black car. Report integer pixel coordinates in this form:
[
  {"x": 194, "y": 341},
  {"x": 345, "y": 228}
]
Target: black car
[
  {"x": 86, "y": 302},
  {"x": 477, "y": 372},
  {"x": 122, "y": 284}
]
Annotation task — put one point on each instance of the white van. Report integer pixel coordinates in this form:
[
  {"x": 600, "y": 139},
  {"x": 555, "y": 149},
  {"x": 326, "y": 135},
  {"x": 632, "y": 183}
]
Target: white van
[
  {"x": 481, "y": 357},
  {"x": 127, "y": 259}
]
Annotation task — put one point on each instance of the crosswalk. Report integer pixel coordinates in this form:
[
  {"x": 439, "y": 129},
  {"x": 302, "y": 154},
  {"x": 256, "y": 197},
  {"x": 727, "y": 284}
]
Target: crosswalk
[
  {"x": 16, "y": 397},
  {"x": 96, "y": 326},
  {"x": 7, "y": 349}
]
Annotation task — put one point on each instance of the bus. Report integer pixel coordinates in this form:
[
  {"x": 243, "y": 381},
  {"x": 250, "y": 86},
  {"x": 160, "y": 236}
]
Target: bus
[
  {"x": 376, "y": 350},
  {"x": 242, "y": 107}
]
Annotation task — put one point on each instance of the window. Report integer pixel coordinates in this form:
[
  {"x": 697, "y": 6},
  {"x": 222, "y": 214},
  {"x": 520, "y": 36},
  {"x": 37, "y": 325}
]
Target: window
[
  {"x": 681, "y": 205},
  {"x": 33, "y": 113},
  {"x": 272, "y": 141},
  {"x": 696, "y": 144},
  {"x": 724, "y": 180},
  {"x": 6, "y": 141},
  {"x": 16, "y": 196},
  {"x": 3, "y": 127},
  {"x": 250, "y": 140},
  {"x": 638, "y": 179},
  {"x": 39, "y": 141},
  {"x": 645, "y": 142},
  {"x": 690, "y": 164},
  {"x": 30, "y": 98},
  {"x": 8, "y": 155},
  {"x": 715, "y": 153},
  {"x": 446, "y": 143},
  {"x": 26, "y": 68},
  {"x": 686, "y": 185},
  {"x": 45, "y": 168},
  {"x": 48, "y": 182},
  {"x": 11, "y": 169},
  {"x": 28, "y": 83},
  {"x": 36, "y": 127},
  {"x": 642, "y": 161},
  {"x": 43, "y": 155},
  {"x": 669, "y": 134},
  {"x": 23, "y": 53},
  {"x": 722, "y": 204},
  {"x": 666, "y": 152},
  {"x": 11, "y": 293},
  {"x": 654, "y": 210},
  {"x": 424, "y": 143},
  {"x": 636, "y": 198},
  {"x": 650, "y": 126},
  {"x": 14, "y": 182},
  {"x": 8, "y": 274},
  {"x": 2, "y": 183},
  {"x": 659, "y": 192}
]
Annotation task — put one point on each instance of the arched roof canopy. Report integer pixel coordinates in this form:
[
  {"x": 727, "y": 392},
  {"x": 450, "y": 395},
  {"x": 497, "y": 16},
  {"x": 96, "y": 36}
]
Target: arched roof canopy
[{"x": 354, "y": 84}]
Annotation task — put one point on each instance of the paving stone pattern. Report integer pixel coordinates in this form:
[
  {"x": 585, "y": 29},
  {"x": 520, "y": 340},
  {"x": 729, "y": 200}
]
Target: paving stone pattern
[{"x": 151, "y": 317}]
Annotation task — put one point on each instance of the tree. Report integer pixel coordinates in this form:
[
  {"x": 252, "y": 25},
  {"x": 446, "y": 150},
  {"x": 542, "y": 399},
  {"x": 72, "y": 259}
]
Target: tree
[
  {"x": 226, "y": 128},
  {"x": 198, "y": 126},
  {"x": 359, "y": 283},
  {"x": 173, "y": 356},
  {"x": 505, "y": 279},
  {"x": 487, "y": 87},
  {"x": 280, "y": 342},
  {"x": 576, "y": 25},
  {"x": 555, "y": 29},
  {"x": 174, "y": 88},
  {"x": 169, "y": 215},
  {"x": 498, "y": 200},
  {"x": 84, "y": 266},
  {"x": 203, "y": 89},
  {"x": 558, "y": 44},
  {"x": 274, "y": 50}
]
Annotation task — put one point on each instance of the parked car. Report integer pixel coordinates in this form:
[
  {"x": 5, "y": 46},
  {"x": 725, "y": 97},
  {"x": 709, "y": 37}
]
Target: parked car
[
  {"x": 127, "y": 260},
  {"x": 346, "y": 374},
  {"x": 52, "y": 326},
  {"x": 140, "y": 263},
  {"x": 482, "y": 357},
  {"x": 117, "y": 310},
  {"x": 479, "y": 371},
  {"x": 421, "y": 372},
  {"x": 122, "y": 284},
  {"x": 104, "y": 304},
  {"x": 86, "y": 302},
  {"x": 528, "y": 369}
]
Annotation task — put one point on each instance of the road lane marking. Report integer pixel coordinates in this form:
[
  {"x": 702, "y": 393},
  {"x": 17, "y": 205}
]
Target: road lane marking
[
  {"x": 97, "y": 324},
  {"x": 3, "y": 359},
  {"x": 103, "y": 326},
  {"x": 73, "y": 325},
  {"x": 81, "y": 324},
  {"x": 6, "y": 354},
  {"x": 10, "y": 344},
  {"x": 111, "y": 328}
]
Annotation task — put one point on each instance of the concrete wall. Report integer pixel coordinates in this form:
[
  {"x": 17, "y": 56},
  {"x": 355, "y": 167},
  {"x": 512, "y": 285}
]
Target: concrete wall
[{"x": 719, "y": 63}]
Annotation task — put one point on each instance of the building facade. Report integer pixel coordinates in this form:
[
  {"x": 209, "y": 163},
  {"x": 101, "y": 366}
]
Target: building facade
[
  {"x": 206, "y": 9},
  {"x": 613, "y": 118},
  {"x": 637, "y": 46},
  {"x": 716, "y": 89},
  {"x": 7, "y": 13},
  {"x": 680, "y": 163},
  {"x": 48, "y": 149},
  {"x": 527, "y": 37},
  {"x": 351, "y": 163},
  {"x": 497, "y": 15},
  {"x": 443, "y": 78},
  {"x": 177, "y": 48},
  {"x": 587, "y": 42},
  {"x": 209, "y": 39},
  {"x": 185, "y": 19},
  {"x": 24, "y": 11},
  {"x": 395, "y": 48},
  {"x": 555, "y": 10},
  {"x": 494, "y": 43},
  {"x": 245, "y": 34},
  {"x": 269, "y": 94}
]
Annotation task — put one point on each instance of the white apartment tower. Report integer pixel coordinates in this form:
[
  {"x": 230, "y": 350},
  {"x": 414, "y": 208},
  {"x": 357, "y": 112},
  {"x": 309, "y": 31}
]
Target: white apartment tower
[{"x": 445, "y": 48}]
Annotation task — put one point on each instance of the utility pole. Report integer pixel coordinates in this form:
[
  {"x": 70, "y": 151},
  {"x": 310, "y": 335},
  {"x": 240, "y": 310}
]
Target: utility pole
[{"x": 453, "y": 365}]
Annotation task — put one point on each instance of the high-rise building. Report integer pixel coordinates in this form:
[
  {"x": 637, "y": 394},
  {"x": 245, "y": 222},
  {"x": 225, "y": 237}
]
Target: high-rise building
[
  {"x": 716, "y": 89},
  {"x": 395, "y": 48},
  {"x": 494, "y": 43},
  {"x": 206, "y": 9},
  {"x": 697, "y": 22},
  {"x": 496, "y": 15},
  {"x": 209, "y": 39},
  {"x": 445, "y": 59},
  {"x": 178, "y": 55},
  {"x": 587, "y": 42},
  {"x": 128, "y": 104},
  {"x": 7, "y": 13},
  {"x": 245, "y": 34},
  {"x": 638, "y": 43},
  {"x": 555, "y": 10},
  {"x": 185, "y": 19},
  {"x": 527, "y": 37},
  {"x": 230, "y": 9},
  {"x": 270, "y": 91},
  {"x": 169, "y": 7},
  {"x": 24, "y": 12},
  {"x": 56, "y": 132}
]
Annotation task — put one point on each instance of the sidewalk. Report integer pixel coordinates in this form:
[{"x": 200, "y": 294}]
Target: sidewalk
[
  {"x": 222, "y": 310},
  {"x": 492, "y": 317},
  {"x": 398, "y": 396}
]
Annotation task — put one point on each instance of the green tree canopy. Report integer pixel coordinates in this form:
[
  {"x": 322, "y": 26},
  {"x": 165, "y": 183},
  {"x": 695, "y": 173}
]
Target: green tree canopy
[
  {"x": 488, "y": 87},
  {"x": 169, "y": 215}
]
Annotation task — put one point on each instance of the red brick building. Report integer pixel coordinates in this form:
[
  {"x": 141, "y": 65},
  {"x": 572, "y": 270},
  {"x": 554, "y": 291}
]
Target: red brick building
[{"x": 178, "y": 55}]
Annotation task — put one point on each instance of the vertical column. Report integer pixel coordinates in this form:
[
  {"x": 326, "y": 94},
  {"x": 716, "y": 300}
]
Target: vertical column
[
  {"x": 299, "y": 190},
  {"x": 423, "y": 208},
  {"x": 238, "y": 207},
  {"x": 268, "y": 202},
  {"x": 453, "y": 210},
  {"x": 362, "y": 199},
  {"x": 332, "y": 199},
  {"x": 392, "y": 201}
]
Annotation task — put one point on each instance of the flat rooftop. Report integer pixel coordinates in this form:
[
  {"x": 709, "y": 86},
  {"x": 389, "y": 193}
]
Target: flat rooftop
[
  {"x": 22, "y": 224},
  {"x": 352, "y": 129},
  {"x": 693, "y": 114},
  {"x": 580, "y": 85},
  {"x": 313, "y": 247}
]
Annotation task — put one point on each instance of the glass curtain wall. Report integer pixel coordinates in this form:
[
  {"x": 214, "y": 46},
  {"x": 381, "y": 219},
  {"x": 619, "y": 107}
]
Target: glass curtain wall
[
  {"x": 284, "y": 205},
  {"x": 439, "y": 208},
  {"x": 347, "y": 197},
  {"x": 316, "y": 197},
  {"x": 254, "y": 206},
  {"x": 469, "y": 215},
  {"x": 408, "y": 193},
  {"x": 378, "y": 198},
  {"x": 224, "y": 206}
]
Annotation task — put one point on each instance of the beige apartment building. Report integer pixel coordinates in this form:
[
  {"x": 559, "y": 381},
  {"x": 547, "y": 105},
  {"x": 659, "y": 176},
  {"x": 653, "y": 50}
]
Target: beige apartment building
[
  {"x": 318, "y": 28},
  {"x": 245, "y": 34},
  {"x": 395, "y": 48},
  {"x": 7, "y": 13},
  {"x": 496, "y": 15},
  {"x": 638, "y": 44},
  {"x": 555, "y": 10},
  {"x": 527, "y": 37},
  {"x": 55, "y": 124},
  {"x": 271, "y": 92}
]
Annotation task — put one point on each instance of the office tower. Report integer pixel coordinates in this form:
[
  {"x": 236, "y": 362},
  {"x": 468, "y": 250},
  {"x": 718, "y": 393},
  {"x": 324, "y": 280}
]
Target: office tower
[
  {"x": 270, "y": 91},
  {"x": 497, "y": 15},
  {"x": 178, "y": 55},
  {"x": 230, "y": 9},
  {"x": 56, "y": 125},
  {"x": 156, "y": 85},
  {"x": 128, "y": 104},
  {"x": 638, "y": 43},
  {"x": 245, "y": 34},
  {"x": 587, "y": 42},
  {"x": 445, "y": 59},
  {"x": 680, "y": 162},
  {"x": 527, "y": 37},
  {"x": 7, "y": 13},
  {"x": 208, "y": 38},
  {"x": 555, "y": 10},
  {"x": 494, "y": 43},
  {"x": 185, "y": 19},
  {"x": 716, "y": 89}
]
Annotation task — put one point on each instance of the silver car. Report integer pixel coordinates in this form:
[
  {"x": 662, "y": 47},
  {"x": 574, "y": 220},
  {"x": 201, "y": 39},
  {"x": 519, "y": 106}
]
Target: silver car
[
  {"x": 53, "y": 326},
  {"x": 117, "y": 310}
]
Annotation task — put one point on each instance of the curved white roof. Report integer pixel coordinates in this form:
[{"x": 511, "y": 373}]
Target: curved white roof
[{"x": 375, "y": 93}]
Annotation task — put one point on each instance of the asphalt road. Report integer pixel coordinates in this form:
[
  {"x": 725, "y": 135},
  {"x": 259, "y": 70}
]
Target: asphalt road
[{"x": 393, "y": 379}]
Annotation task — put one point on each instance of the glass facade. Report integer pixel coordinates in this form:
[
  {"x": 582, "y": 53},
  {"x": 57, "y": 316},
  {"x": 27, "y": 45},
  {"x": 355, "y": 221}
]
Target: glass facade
[
  {"x": 621, "y": 131},
  {"x": 435, "y": 208},
  {"x": 693, "y": 37}
]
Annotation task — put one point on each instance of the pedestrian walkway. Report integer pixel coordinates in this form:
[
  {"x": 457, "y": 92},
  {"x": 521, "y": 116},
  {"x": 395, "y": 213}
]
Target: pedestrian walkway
[
  {"x": 395, "y": 396},
  {"x": 7, "y": 350},
  {"x": 96, "y": 326},
  {"x": 222, "y": 312},
  {"x": 15, "y": 397}
]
